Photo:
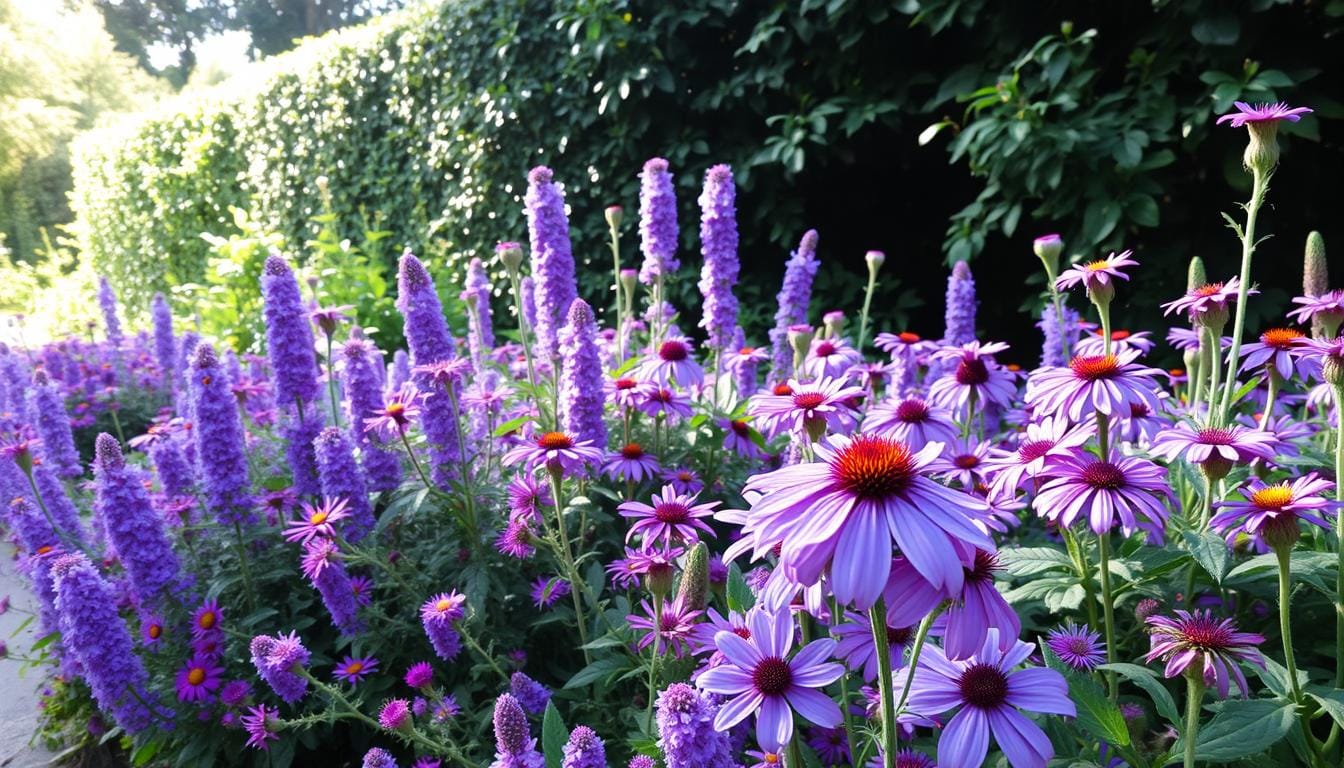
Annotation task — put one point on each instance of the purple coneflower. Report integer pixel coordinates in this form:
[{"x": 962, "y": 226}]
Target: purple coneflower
[
  {"x": 964, "y": 462},
  {"x": 1327, "y": 306},
  {"x": 1282, "y": 350},
  {"x": 1097, "y": 275},
  {"x": 738, "y": 438},
  {"x": 813, "y": 409},
  {"x": 1107, "y": 384},
  {"x": 671, "y": 626},
  {"x": 830, "y": 358},
  {"x": 353, "y": 670},
  {"x": 1270, "y": 513},
  {"x": 1051, "y": 437},
  {"x": 557, "y": 451},
  {"x": 672, "y": 363},
  {"x": 911, "y": 420},
  {"x": 672, "y": 518},
  {"x": 976, "y": 375},
  {"x": 1215, "y": 449},
  {"x": 1262, "y": 113},
  {"x": 1077, "y": 646},
  {"x": 978, "y": 608},
  {"x": 198, "y": 679},
  {"x": 1214, "y": 644},
  {"x": 1127, "y": 487},
  {"x": 854, "y": 643},
  {"x": 631, "y": 464},
  {"x": 661, "y": 401}
]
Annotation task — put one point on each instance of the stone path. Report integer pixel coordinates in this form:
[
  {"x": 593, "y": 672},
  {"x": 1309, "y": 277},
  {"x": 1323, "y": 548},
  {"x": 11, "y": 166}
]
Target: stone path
[{"x": 18, "y": 692}]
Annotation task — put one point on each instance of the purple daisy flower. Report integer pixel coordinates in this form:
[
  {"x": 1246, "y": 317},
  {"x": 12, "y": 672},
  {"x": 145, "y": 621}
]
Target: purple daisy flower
[
  {"x": 1053, "y": 436},
  {"x": 1262, "y": 113},
  {"x": 1328, "y": 305},
  {"x": 1214, "y": 448},
  {"x": 261, "y": 724},
  {"x": 1077, "y": 646},
  {"x": 1096, "y": 275},
  {"x": 990, "y": 692},
  {"x": 1121, "y": 341},
  {"x": 235, "y": 692},
  {"x": 976, "y": 374},
  {"x": 631, "y": 464},
  {"x": 911, "y": 420},
  {"x": 812, "y": 408},
  {"x": 1214, "y": 644},
  {"x": 1281, "y": 349},
  {"x": 316, "y": 521},
  {"x": 1106, "y": 384},
  {"x": 964, "y": 462},
  {"x": 353, "y": 670},
  {"x": 672, "y": 363},
  {"x": 683, "y": 480},
  {"x": 198, "y": 680},
  {"x": 761, "y": 678},
  {"x": 979, "y": 609},
  {"x": 739, "y": 438},
  {"x": 557, "y": 451},
  {"x": 1270, "y": 513},
  {"x": 547, "y": 591},
  {"x": 672, "y": 518},
  {"x": 830, "y": 358},
  {"x": 397, "y": 414},
  {"x": 672, "y": 626},
  {"x": 661, "y": 401},
  {"x": 516, "y": 540},
  {"x": 1209, "y": 300},
  {"x": 1127, "y": 487},
  {"x": 205, "y": 620},
  {"x": 527, "y": 497},
  {"x": 438, "y": 616},
  {"x": 844, "y": 511}
]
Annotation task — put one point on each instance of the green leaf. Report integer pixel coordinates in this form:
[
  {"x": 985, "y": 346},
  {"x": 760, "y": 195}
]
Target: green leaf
[
  {"x": 1097, "y": 714},
  {"x": 511, "y": 425},
  {"x": 1275, "y": 676},
  {"x": 740, "y": 596},
  {"x": 1330, "y": 699},
  {"x": 1241, "y": 729},
  {"x": 596, "y": 671},
  {"x": 1314, "y": 568},
  {"x": 1032, "y": 561},
  {"x": 1150, "y": 683},
  {"x": 553, "y": 736},
  {"x": 1210, "y": 551}
]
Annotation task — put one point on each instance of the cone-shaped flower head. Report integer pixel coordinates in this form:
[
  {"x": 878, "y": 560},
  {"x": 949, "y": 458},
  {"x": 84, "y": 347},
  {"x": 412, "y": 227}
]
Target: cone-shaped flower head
[
  {"x": 430, "y": 343},
  {"x": 107, "y": 302},
  {"x": 794, "y": 296},
  {"x": 657, "y": 222},
  {"x": 341, "y": 477},
  {"x": 554, "y": 283},
  {"x": 718, "y": 246},
  {"x": 219, "y": 439},
  {"x": 134, "y": 528},
  {"x": 959, "y": 314},
  {"x": 53, "y": 427},
  {"x": 582, "y": 394},
  {"x": 289, "y": 335},
  {"x": 363, "y": 399}
]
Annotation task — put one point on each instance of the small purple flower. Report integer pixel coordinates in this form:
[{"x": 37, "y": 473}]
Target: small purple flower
[
  {"x": 1281, "y": 350},
  {"x": 278, "y": 660},
  {"x": 1262, "y": 113},
  {"x": 261, "y": 723},
  {"x": 377, "y": 757},
  {"x": 553, "y": 277},
  {"x": 439, "y": 615},
  {"x": 1215, "y": 448},
  {"x": 353, "y": 670},
  {"x": 514, "y": 745},
  {"x": 686, "y": 732},
  {"x": 718, "y": 246},
  {"x": 959, "y": 312},
  {"x": 584, "y": 749},
  {"x": 1134, "y": 490},
  {"x": 395, "y": 714},
  {"x": 1208, "y": 304},
  {"x": 1214, "y": 644},
  {"x": 1270, "y": 513},
  {"x": 672, "y": 518},
  {"x": 1077, "y": 646},
  {"x": 557, "y": 451},
  {"x": 547, "y": 591},
  {"x": 420, "y": 675},
  {"x": 581, "y": 394},
  {"x": 198, "y": 679},
  {"x": 793, "y": 299},
  {"x": 1099, "y": 275},
  {"x": 532, "y": 695}
]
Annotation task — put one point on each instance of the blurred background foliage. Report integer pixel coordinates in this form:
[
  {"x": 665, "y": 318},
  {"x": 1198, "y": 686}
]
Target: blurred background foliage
[{"x": 936, "y": 131}]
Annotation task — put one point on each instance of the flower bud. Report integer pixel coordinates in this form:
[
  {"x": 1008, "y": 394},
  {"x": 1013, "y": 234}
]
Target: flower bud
[
  {"x": 1048, "y": 249},
  {"x": 1281, "y": 531},
  {"x": 834, "y": 323},
  {"x": 1215, "y": 468},
  {"x": 1315, "y": 274},
  {"x": 658, "y": 579},
  {"x": 875, "y": 260},
  {"x": 511, "y": 256},
  {"x": 800, "y": 338},
  {"x": 629, "y": 279},
  {"x": 1332, "y": 371},
  {"x": 1262, "y": 152},
  {"x": 694, "y": 590},
  {"x": 615, "y": 214},
  {"x": 1195, "y": 276}
]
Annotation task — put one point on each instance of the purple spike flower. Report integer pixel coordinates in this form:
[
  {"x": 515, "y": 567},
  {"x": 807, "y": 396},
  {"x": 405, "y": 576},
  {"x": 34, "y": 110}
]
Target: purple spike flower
[
  {"x": 322, "y": 565},
  {"x": 363, "y": 400},
  {"x": 555, "y": 285},
  {"x": 62, "y": 510},
  {"x": 94, "y": 632},
  {"x": 300, "y": 428},
  {"x": 186, "y": 352},
  {"x": 289, "y": 336},
  {"x": 399, "y": 372},
  {"x": 793, "y": 298},
  {"x": 584, "y": 749},
  {"x": 686, "y": 732},
  {"x": 582, "y": 395},
  {"x": 1055, "y": 347},
  {"x": 533, "y": 696},
  {"x": 514, "y": 745},
  {"x": 176, "y": 477},
  {"x": 107, "y": 302},
  {"x": 481, "y": 336},
  {"x": 340, "y": 476},
  {"x": 427, "y": 334},
  {"x": 53, "y": 425},
  {"x": 529, "y": 288},
  {"x": 278, "y": 660},
  {"x": 219, "y": 440},
  {"x": 718, "y": 246},
  {"x": 657, "y": 222},
  {"x": 165, "y": 346},
  {"x": 959, "y": 315},
  {"x": 133, "y": 527}
]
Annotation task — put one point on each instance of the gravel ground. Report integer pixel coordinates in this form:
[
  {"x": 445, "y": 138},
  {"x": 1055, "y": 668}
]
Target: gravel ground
[{"x": 18, "y": 689}]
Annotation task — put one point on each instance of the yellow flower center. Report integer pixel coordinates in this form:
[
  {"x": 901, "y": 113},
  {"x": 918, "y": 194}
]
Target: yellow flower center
[
  {"x": 196, "y": 676},
  {"x": 1272, "y": 497},
  {"x": 318, "y": 518}
]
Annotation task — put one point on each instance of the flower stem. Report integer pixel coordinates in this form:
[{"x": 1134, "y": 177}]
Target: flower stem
[
  {"x": 844, "y": 692},
  {"x": 1215, "y": 341},
  {"x": 1268, "y": 411},
  {"x": 877, "y": 619},
  {"x": 1339, "y": 536},
  {"x": 522, "y": 327},
  {"x": 795, "y": 759},
  {"x": 915, "y": 650},
  {"x": 476, "y": 646},
  {"x": 243, "y": 567},
  {"x": 1259, "y": 186},
  {"x": 867, "y": 304},
  {"x": 331, "y": 385},
  {"x": 657, "y": 649},
  {"x": 414, "y": 462},
  {"x": 576, "y": 582},
  {"x": 1194, "y": 697},
  {"x": 1108, "y": 608},
  {"x": 1283, "y": 554}
]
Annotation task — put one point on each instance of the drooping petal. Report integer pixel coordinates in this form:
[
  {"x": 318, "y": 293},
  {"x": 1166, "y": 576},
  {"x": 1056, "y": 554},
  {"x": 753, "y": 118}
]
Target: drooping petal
[{"x": 965, "y": 741}]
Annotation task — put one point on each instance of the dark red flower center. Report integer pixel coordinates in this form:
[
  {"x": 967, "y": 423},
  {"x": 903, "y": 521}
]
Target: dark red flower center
[
  {"x": 966, "y": 461},
  {"x": 624, "y": 384},
  {"x": 972, "y": 371},
  {"x": 1138, "y": 411},
  {"x": 1034, "y": 449},
  {"x": 825, "y": 349},
  {"x": 669, "y": 621},
  {"x": 986, "y": 563},
  {"x": 1095, "y": 367},
  {"x": 673, "y": 351},
  {"x": 742, "y": 632},
  {"x": 671, "y": 512},
  {"x": 740, "y": 428},
  {"x": 660, "y": 396},
  {"x": 632, "y": 451},
  {"x": 1281, "y": 338},
  {"x": 983, "y": 685},
  {"x": 772, "y": 676},
  {"x": 1078, "y": 645},
  {"x": 1216, "y": 436},
  {"x": 783, "y": 390},
  {"x": 907, "y": 337},
  {"x": 555, "y": 441},
  {"x": 1104, "y": 475},
  {"x": 1206, "y": 634},
  {"x": 899, "y": 635},
  {"x": 207, "y": 620},
  {"x": 912, "y": 411},
  {"x": 808, "y": 400},
  {"x": 873, "y": 467}
]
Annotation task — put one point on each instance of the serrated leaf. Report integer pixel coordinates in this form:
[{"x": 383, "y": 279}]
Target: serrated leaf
[
  {"x": 1330, "y": 699},
  {"x": 1275, "y": 675},
  {"x": 1031, "y": 561},
  {"x": 1210, "y": 551},
  {"x": 1149, "y": 682},
  {"x": 1097, "y": 714},
  {"x": 553, "y": 736},
  {"x": 1242, "y": 728}
]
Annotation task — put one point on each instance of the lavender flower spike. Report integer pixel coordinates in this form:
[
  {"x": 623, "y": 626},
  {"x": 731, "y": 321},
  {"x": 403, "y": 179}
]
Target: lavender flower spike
[
  {"x": 657, "y": 222},
  {"x": 582, "y": 397},
  {"x": 289, "y": 335},
  {"x": 793, "y": 299},
  {"x": 176, "y": 477},
  {"x": 107, "y": 301},
  {"x": 514, "y": 745},
  {"x": 686, "y": 733},
  {"x": 165, "y": 346},
  {"x": 133, "y": 526},
  {"x": 959, "y": 315},
  {"x": 718, "y": 245},
  {"x": 555, "y": 284},
  {"x": 477, "y": 289},
  {"x": 584, "y": 750},
  {"x": 53, "y": 426},
  {"x": 429, "y": 340},
  {"x": 219, "y": 439},
  {"x": 363, "y": 398},
  {"x": 342, "y": 478},
  {"x": 92, "y": 630}
]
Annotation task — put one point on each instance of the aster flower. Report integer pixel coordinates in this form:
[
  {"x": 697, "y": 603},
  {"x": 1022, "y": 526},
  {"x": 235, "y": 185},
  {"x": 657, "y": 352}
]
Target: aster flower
[
  {"x": 1077, "y": 646},
  {"x": 671, "y": 627},
  {"x": 527, "y": 497},
  {"x": 514, "y": 745},
  {"x": 547, "y": 591},
  {"x": 531, "y": 695},
  {"x": 686, "y": 733},
  {"x": 446, "y": 709},
  {"x": 631, "y": 464},
  {"x": 557, "y": 451},
  {"x": 830, "y": 744},
  {"x": 1215, "y": 448},
  {"x": 439, "y": 615},
  {"x": 760, "y": 677},
  {"x": 278, "y": 660},
  {"x": 683, "y": 480},
  {"x": 1214, "y": 645},
  {"x": 316, "y": 520},
  {"x": 672, "y": 363},
  {"x": 584, "y": 749},
  {"x": 911, "y": 420},
  {"x": 976, "y": 375},
  {"x": 1270, "y": 513},
  {"x": 206, "y": 619},
  {"x": 1096, "y": 275},
  {"x": 1281, "y": 349},
  {"x": 516, "y": 540},
  {"x": 1208, "y": 301},
  {"x": 1051, "y": 437},
  {"x": 1328, "y": 305},
  {"x": 1127, "y": 487},
  {"x": 395, "y": 714},
  {"x": 672, "y": 517},
  {"x": 377, "y": 757},
  {"x": 198, "y": 679},
  {"x": 844, "y": 511},
  {"x": 1108, "y": 384},
  {"x": 353, "y": 670},
  {"x": 854, "y": 644},
  {"x": 420, "y": 675},
  {"x": 151, "y": 631},
  {"x": 261, "y": 724},
  {"x": 392, "y": 420},
  {"x": 832, "y": 358},
  {"x": 979, "y": 608},
  {"x": 1262, "y": 113},
  {"x": 964, "y": 462},
  {"x": 738, "y": 437},
  {"x": 661, "y": 401},
  {"x": 990, "y": 692}
]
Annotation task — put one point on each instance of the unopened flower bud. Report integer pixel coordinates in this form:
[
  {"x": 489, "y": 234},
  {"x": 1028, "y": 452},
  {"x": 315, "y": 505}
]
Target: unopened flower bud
[
  {"x": 800, "y": 338},
  {"x": 1048, "y": 249},
  {"x": 510, "y": 255},
  {"x": 1195, "y": 276},
  {"x": 1215, "y": 468},
  {"x": 1281, "y": 531},
  {"x": 1315, "y": 274},
  {"x": 875, "y": 260},
  {"x": 615, "y": 214},
  {"x": 694, "y": 590},
  {"x": 658, "y": 579},
  {"x": 834, "y": 323},
  {"x": 1332, "y": 371}
]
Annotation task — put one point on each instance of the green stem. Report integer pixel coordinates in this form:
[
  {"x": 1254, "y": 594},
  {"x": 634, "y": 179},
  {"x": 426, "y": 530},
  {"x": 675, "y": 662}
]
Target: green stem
[
  {"x": 522, "y": 327},
  {"x": 1079, "y": 558},
  {"x": 243, "y": 567},
  {"x": 475, "y": 646},
  {"x": 1259, "y": 186},
  {"x": 1273, "y": 375},
  {"x": 406, "y": 441},
  {"x": 116, "y": 423},
  {"x": 836, "y": 615},
  {"x": 1339, "y": 537},
  {"x": 467, "y": 492},
  {"x": 1214, "y": 336},
  {"x": 1284, "y": 554},
  {"x": 795, "y": 758},
  {"x": 867, "y": 304},
  {"x": 1107, "y": 606},
  {"x": 877, "y": 619},
  {"x": 915, "y": 650},
  {"x": 1194, "y": 697},
  {"x": 616, "y": 286},
  {"x": 331, "y": 385},
  {"x": 657, "y": 649},
  {"x": 576, "y": 585}
]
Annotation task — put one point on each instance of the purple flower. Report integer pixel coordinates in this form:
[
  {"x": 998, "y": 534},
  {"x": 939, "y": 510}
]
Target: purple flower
[
  {"x": 476, "y": 292},
  {"x": 279, "y": 660},
  {"x": 430, "y": 343},
  {"x": 686, "y": 732},
  {"x": 673, "y": 518},
  {"x": 514, "y": 745},
  {"x": 341, "y": 477},
  {"x": 52, "y": 421},
  {"x": 1107, "y": 384},
  {"x": 673, "y": 363},
  {"x": 976, "y": 375},
  {"x": 300, "y": 429},
  {"x": 206, "y": 619},
  {"x": 1022, "y": 469},
  {"x": 316, "y": 520},
  {"x": 420, "y": 675},
  {"x": 854, "y": 644},
  {"x": 377, "y": 757},
  {"x": 911, "y": 420},
  {"x": 661, "y": 401},
  {"x": 62, "y": 510},
  {"x": 824, "y": 405},
  {"x": 557, "y": 451},
  {"x": 760, "y": 677},
  {"x": 391, "y": 420},
  {"x": 644, "y": 761},
  {"x": 584, "y": 749},
  {"x": 1214, "y": 645},
  {"x": 517, "y": 539},
  {"x": 133, "y": 527},
  {"x": 1328, "y": 305},
  {"x": 1077, "y": 646},
  {"x": 439, "y": 615},
  {"x": 261, "y": 723},
  {"x": 198, "y": 680},
  {"x": 165, "y": 346},
  {"x": 834, "y": 357},
  {"x": 671, "y": 627},
  {"x": 581, "y": 393},
  {"x": 793, "y": 299},
  {"x": 990, "y": 693},
  {"x": 657, "y": 222},
  {"x": 176, "y": 476},
  {"x": 1283, "y": 350},
  {"x": 1127, "y": 487},
  {"x": 1056, "y": 349},
  {"x": 830, "y": 744},
  {"x": 554, "y": 283},
  {"x": 844, "y": 511},
  {"x": 107, "y": 302},
  {"x": 547, "y": 591},
  {"x": 1262, "y": 113},
  {"x": 959, "y": 314},
  {"x": 718, "y": 246},
  {"x": 95, "y": 634},
  {"x": 1215, "y": 448},
  {"x": 1207, "y": 304},
  {"x": 289, "y": 336},
  {"x": 322, "y": 565},
  {"x": 1099, "y": 275},
  {"x": 631, "y": 463},
  {"x": 1270, "y": 513},
  {"x": 395, "y": 714},
  {"x": 398, "y": 371},
  {"x": 978, "y": 609},
  {"x": 235, "y": 692},
  {"x": 531, "y": 695},
  {"x": 219, "y": 440},
  {"x": 362, "y": 386}
]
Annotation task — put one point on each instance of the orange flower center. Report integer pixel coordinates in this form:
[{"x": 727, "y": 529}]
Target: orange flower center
[
  {"x": 1280, "y": 338},
  {"x": 873, "y": 467},
  {"x": 354, "y": 667},
  {"x": 632, "y": 451},
  {"x": 783, "y": 390},
  {"x": 554, "y": 441},
  {"x": 318, "y": 518},
  {"x": 1208, "y": 290},
  {"x": 155, "y": 631},
  {"x": 1096, "y": 266},
  {"x": 1095, "y": 367},
  {"x": 443, "y": 605},
  {"x": 907, "y": 337},
  {"x": 207, "y": 620},
  {"x": 196, "y": 676},
  {"x": 1272, "y": 497}
]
